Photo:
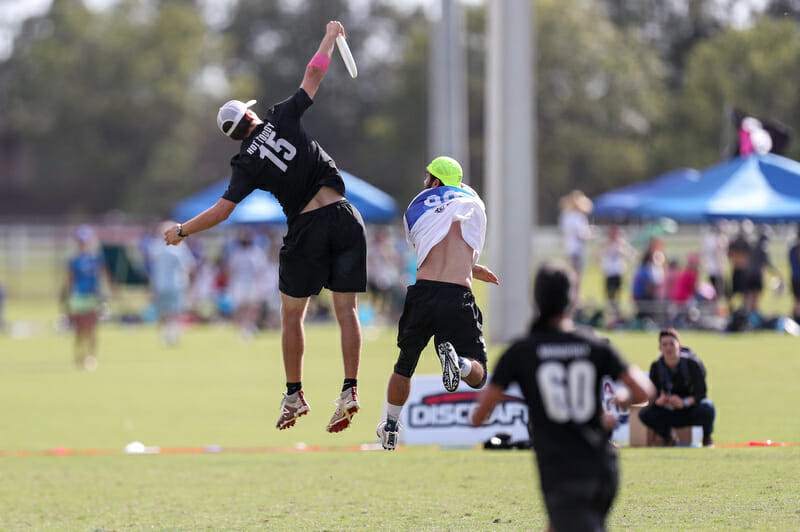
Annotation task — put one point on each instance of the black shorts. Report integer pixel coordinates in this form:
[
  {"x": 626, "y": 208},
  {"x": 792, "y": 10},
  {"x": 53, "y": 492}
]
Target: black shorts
[
  {"x": 613, "y": 284},
  {"x": 739, "y": 281},
  {"x": 447, "y": 312},
  {"x": 796, "y": 287},
  {"x": 326, "y": 247},
  {"x": 754, "y": 281},
  {"x": 581, "y": 504},
  {"x": 718, "y": 283}
]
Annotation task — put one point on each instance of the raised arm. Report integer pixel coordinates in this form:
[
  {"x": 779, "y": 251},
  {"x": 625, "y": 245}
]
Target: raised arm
[
  {"x": 638, "y": 388},
  {"x": 207, "y": 219},
  {"x": 487, "y": 400},
  {"x": 316, "y": 68}
]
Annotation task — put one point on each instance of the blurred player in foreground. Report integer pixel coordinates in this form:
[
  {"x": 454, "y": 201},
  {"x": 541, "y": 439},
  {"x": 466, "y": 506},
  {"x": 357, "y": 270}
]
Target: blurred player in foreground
[
  {"x": 560, "y": 370},
  {"x": 87, "y": 286},
  {"x": 325, "y": 245},
  {"x": 446, "y": 223}
]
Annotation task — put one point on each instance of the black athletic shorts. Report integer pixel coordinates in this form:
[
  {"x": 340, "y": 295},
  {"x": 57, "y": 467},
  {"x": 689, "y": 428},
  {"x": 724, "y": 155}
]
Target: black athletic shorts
[
  {"x": 326, "y": 247},
  {"x": 613, "y": 284},
  {"x": 796, "y": 287},
  {"x": 739, "y": 281},
  {"x": 447, "y": 312},
  {"x": 754, "y": 281},
  {"x": 581, "y": 504}
]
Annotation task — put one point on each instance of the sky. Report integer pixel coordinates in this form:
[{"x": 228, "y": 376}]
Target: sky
[{"x": 13, "y": 12}]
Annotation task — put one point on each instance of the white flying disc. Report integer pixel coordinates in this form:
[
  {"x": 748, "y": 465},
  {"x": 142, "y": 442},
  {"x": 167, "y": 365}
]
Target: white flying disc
[{"x": 347, "y": 55}]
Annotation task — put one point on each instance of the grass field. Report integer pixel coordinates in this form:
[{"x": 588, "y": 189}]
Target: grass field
[{"x": 214, "y": 390}]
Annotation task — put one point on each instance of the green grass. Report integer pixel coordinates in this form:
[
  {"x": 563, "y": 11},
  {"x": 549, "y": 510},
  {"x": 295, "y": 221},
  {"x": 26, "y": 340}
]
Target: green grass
[{"x": 213, "y": 390}]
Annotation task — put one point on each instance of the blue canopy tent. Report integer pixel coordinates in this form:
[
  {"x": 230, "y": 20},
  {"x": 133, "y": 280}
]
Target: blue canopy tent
[
  {"x": 762, "y": 188},
  {"x": 261, "y": 207},
  {"x": 627, "y": 202}
]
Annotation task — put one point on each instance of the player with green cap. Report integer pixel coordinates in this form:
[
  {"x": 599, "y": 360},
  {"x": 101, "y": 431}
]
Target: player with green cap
[
  {"x": 447, "y": 170},
  {"x": 446, "y": 224}
]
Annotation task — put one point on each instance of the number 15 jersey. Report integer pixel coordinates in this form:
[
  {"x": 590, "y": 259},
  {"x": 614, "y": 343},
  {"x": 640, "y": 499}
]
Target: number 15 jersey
[
  {"x": 560, "y": 375},
  {"x": 281, "y": 158}
]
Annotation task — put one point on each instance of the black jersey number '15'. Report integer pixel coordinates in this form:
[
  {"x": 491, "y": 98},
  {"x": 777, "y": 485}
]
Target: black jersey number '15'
[{"x": 272, "y": 148}]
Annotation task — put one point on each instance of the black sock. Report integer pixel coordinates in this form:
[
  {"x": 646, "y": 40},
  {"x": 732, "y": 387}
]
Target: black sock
[
  {"x": 349, "y": 383},
  {"x": 292, "y": 387}
]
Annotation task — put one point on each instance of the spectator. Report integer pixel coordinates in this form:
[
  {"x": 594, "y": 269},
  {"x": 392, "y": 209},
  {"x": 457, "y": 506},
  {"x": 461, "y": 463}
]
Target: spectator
[
  {"x": 684, "y": 292},
  {"x": 680, "y": 381},
  {"x": 383, "y": 271},
  {"x": 648, "y": 283},
  {"x": 87, "y": 286},
  {"x": 685, "y": 285},
  {"x": 643, "y": 289},
  {"x": 247, "y": 263},
  {"x": 574, "y": 224},
  {"x": 614, "y": 257},
  {"x": 670, "y": 279},
  {"x": 794, "y": 265},
  {"x": 171, "y": 268},
  {"x": 204, "y": 292},
  {"x": 739, "y": 258},
  {"x": 715, "y": 247},
  {"x": 758, "y": 260}
]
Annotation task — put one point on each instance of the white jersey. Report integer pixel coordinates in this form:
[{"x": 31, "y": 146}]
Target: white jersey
[
  {"x": 430, "y": 215},
  {"x": 575, "y": 229}
]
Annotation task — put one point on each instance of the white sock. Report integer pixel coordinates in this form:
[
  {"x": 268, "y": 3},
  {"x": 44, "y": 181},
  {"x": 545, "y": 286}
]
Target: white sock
[
  {"x": 466, "y": 366},
  {"x": 393, "y": 411}
]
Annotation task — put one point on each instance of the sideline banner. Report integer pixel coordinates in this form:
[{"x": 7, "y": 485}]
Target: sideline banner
[{"x": 434, "y": 416}]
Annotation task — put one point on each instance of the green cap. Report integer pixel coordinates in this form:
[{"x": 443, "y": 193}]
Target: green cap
[{"x": 447, "y": 170}]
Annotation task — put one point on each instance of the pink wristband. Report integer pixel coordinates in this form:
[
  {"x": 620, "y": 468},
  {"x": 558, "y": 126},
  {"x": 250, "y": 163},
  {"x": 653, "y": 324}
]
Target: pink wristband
[{"x": 321, "y": 61}]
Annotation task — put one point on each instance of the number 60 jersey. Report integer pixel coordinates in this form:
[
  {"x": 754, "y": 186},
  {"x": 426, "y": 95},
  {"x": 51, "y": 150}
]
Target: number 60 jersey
[
  {"x": 431, "y": 213},
  {"x": 281, "y": 158},
  {"x": 560, "y": 375}
]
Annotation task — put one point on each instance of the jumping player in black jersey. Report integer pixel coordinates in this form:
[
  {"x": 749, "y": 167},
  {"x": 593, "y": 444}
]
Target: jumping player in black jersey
[
  {"x": 560, "y": 370},
  {"x": 325, "y": 245}
]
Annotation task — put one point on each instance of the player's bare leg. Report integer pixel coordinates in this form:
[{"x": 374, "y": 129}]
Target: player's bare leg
[
  {"x": 345, "y": 307},
  {"x": 388, "y": 431},
  {"x": 398, "y": 390},
  {"x": 475, "y": 375},
  {"x": 293, "y": 341},
  {"x": 293, "y": 338}
]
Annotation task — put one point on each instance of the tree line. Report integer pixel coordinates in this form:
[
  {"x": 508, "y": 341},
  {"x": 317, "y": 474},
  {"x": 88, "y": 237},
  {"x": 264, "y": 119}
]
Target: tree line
[{"x": 115, "y": 109}]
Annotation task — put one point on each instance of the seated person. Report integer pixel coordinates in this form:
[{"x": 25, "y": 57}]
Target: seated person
[
  {"x": 644, "y": 287},
  {"x": 680, "y": 381}
]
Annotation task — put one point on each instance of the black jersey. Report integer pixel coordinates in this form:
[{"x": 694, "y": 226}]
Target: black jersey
[
  {"x": 281, "y": 158},
  {"x": 560, "y": 374}
]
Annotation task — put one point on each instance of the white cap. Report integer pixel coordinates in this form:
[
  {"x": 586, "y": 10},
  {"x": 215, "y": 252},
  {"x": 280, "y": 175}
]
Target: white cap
[{"x": 232, "y": 112}]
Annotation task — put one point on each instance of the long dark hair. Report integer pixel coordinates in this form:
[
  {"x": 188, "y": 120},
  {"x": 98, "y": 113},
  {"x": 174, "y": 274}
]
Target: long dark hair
[{"x": 553, "y": 292}]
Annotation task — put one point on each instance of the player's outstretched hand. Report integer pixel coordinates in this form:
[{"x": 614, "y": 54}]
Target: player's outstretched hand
[
  {"x": 171, "y": 236},
  {"x": 334, "y": 28},
  {"x": 482, "y": 273}
]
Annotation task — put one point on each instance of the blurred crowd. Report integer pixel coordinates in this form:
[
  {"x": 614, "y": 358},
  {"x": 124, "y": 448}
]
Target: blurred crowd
[
  {"x": 236, "y": 281},
  {"x": 719, "y": 285}
]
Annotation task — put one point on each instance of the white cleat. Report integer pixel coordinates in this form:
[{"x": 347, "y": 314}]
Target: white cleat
[{"x": 451, "y": 371}]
